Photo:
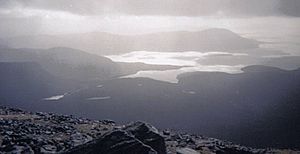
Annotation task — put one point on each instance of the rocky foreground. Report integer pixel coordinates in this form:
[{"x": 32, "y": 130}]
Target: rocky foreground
[{"x": 27, "y": 132}]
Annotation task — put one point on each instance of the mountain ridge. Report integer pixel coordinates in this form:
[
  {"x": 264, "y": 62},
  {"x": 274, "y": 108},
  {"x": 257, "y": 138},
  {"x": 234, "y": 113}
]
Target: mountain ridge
[{"x": 108, "y": 44}]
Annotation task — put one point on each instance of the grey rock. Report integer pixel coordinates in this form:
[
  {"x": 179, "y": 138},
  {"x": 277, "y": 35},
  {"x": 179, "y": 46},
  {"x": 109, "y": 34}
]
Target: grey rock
[
  {"x": 186, "y": 151},
  {"x": 48, "y": 149},
  {"x": 26, "y": 132},
  {"x": 148, "y": 135},
  {"x": 116, "y": 142}
]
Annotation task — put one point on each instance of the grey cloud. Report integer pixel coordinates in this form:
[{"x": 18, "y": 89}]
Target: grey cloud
[
  {"x": 166, "y": 7},
  {"x": 14, "y": 26}
]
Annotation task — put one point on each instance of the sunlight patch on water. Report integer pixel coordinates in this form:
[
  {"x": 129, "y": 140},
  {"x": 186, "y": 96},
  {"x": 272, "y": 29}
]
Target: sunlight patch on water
[
  {"x": 171, "y": 75},
  {"x": 186, "y": 58},
  {"x": 54, "y": 98}
]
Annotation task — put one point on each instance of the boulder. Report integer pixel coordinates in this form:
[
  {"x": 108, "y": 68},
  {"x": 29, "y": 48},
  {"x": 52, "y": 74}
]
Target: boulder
[
  {"x": 115, "y": 142},
  {"x": 147, "y": 134}
]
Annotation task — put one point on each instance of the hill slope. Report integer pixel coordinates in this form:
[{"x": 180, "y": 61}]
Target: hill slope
[
  {"x": 27, "y": 82},
  {"x": 105, "y": 43},
  {"x": 216, "y": 104}
]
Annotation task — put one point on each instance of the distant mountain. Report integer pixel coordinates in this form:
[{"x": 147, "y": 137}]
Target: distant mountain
[
  {"x": 71, "y": 63},
  {"x": 64, "y": 62},
  {"x": 256, "y": 108},
  {"x": 105, "y": 43}
]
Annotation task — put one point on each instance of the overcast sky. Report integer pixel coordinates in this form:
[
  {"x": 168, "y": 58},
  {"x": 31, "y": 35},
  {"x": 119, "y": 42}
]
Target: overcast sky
[
  {"x": 24, "y": 17},
  {"x": 163, "y": 7}
]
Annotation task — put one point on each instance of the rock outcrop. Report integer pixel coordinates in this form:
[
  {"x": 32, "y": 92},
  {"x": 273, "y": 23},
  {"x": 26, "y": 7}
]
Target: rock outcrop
[
  {"x": 27, "y": 132},
  {"x": 148, "y": 135},
  {"x": 115, "y": 142}
]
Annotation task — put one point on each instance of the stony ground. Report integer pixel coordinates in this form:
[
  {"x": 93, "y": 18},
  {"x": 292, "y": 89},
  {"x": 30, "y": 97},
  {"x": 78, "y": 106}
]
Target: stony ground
[{"x": 26, "y": 132}]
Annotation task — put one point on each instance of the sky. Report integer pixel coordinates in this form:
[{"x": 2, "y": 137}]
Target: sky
[
  {"x": 158, "y": 7},
  {"x": 30, "y": 17}
]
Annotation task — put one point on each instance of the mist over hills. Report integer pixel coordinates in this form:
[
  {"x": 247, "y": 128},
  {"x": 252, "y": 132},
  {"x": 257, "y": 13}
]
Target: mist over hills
[{"x": 105, "y": 43}]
